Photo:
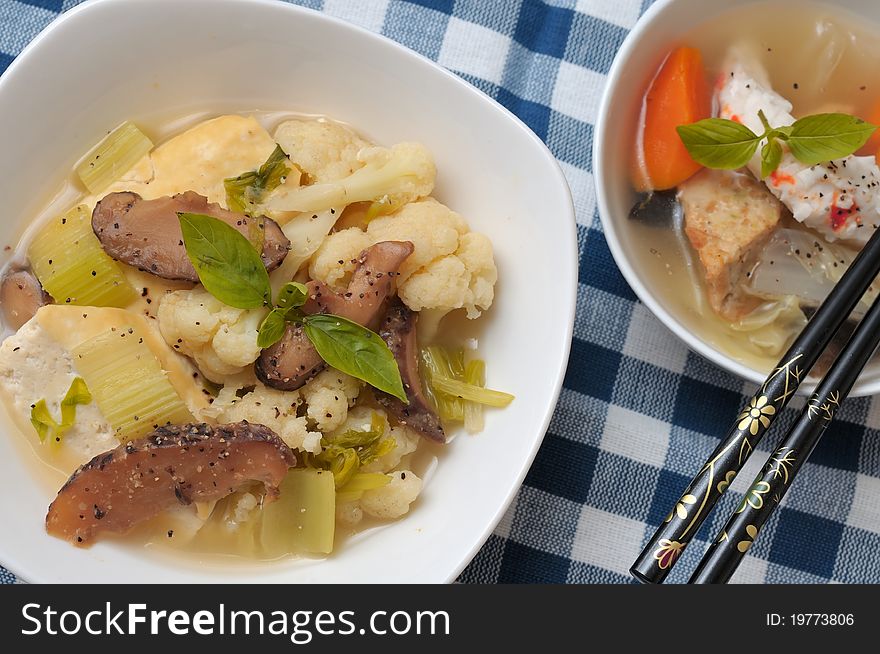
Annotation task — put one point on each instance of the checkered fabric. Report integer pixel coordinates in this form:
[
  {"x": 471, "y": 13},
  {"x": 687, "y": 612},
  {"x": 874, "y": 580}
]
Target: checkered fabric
[{"x": 639, "y": 413}]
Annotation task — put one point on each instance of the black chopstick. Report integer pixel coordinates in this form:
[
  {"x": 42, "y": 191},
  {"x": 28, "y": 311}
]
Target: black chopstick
[
  {"x": 777, "y": 475},
  {"x": 665, "y": 547}
]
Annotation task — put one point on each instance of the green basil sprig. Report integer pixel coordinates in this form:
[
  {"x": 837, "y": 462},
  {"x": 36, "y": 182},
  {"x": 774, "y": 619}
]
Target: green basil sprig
[
  {"x": 231, "y": 270},
  {"x": 727, "y": 144},
  {"x": 291, "y": 297},
  {"x": 355, "y": 350},
  {"x": 343, "y": 344},
  {"x": 45, "y": 423},
  {"x": 226, "y": 262},
  {"x": 272, "y": 328}
]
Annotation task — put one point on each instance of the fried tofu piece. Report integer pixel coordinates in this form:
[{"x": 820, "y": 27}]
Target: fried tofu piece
[{"x": 728, "y": 217}]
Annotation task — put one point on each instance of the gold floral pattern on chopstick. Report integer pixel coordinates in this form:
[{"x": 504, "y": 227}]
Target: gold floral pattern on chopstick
[
  {"x": 781, "y": 463},
  {"x": 754, "y": 497},
  {"x": 751, "y": 534},
  {"x": 725, "y": 483},
  {"x": 756, "y": 415},
  {"x": 816, "y": 408},
  {"x": 752, "y": 423},
  {"x": 668, "y": 553},
  {"x": 792, "y": 379},
  {"x": 681, "y": 507}
]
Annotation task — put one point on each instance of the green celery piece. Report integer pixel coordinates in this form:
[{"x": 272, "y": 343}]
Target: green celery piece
[
  {"x": 472, "y": 393},
  {"x": 303, "y": 518},
  {"x": 112, "y": 157}
]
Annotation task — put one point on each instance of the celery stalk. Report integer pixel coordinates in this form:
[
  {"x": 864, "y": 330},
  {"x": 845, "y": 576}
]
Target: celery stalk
[
  {"x": 457, "y": 388},
  {"x": 474, "y": 374},
  {"x": 72, "y": 266},
  {"x": 437, "y": 363},
  {"x": 115, "y": 155},
  {"x": 128, "y": 383},
  {"x": 472, "y": 393},
  {"x": 362, "y": 481},
  {"x": 303, "y": 518}
]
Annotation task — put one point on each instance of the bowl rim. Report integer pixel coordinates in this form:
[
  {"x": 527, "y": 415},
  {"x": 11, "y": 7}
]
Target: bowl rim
[
  {"x": 691, "y": 339},
  {"x": 567, "y": 217}
]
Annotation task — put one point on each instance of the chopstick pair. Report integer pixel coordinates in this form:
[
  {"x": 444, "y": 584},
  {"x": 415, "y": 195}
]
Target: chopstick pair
[
  {"x": 766, "y": 492},
  {"x": 714, "y": 478}
]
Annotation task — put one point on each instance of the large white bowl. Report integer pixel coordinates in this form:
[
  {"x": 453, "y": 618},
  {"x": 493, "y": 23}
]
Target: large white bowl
[
  {"x": 660, "y": 29},
  {"x": 112, "y": 60}
]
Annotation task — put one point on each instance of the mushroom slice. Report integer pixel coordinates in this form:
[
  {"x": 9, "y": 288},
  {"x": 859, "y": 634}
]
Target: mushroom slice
[
  {"x": 173, "y": 465},
  {"x": 291, "y": 362},
  {"x": 21, "y": 295},
  {"x": 146, "y": 233},
  {"x": 398, "y": 330}
]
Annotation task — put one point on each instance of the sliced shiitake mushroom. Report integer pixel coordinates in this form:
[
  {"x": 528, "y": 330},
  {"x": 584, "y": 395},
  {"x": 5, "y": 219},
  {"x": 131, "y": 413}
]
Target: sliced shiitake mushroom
[
  {"x": 398, "y": 330},
  {"x": 146, "y": 233},
  {"x": 21, "y": 295},
  {"x": 173, "y": 465},
  {"x": 292, "y": 361}
]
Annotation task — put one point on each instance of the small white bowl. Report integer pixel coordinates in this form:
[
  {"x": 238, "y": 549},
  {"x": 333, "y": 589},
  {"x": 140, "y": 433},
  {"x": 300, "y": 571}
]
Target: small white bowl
[
  {"x": 660, "y": 29},
  {"x": 111, "y": 60}
]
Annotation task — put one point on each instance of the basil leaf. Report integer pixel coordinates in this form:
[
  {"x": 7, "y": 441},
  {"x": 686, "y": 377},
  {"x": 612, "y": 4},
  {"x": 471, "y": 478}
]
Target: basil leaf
[
  {"x": 823, "y": 137},
  {"x": 228, "y": 266},
  {"x": 771, "y": 155},
  {"x": 356, "y": 351},
  {"x": 719, "y": 143},
  {"x": 271, "y": 329},
  {"x": 292, "y": 295},
  {"x": 249, "y": 188},
  {"x": 782, "y": 133}
]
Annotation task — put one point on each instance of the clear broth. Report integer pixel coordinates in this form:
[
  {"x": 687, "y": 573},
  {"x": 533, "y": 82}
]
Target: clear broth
[{"x": 823, "y": 59}]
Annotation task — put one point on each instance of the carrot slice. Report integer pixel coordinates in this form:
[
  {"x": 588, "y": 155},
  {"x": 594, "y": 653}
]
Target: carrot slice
[
  {"x": 873, "y": 144},
  {"x": 678, "y": 95}
]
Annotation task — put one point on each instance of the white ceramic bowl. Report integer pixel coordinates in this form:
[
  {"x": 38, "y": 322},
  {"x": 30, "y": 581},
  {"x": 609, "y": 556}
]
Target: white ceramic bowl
[
  {"x": 660, "y": 29},
  {"x": 112, "y": 60}
]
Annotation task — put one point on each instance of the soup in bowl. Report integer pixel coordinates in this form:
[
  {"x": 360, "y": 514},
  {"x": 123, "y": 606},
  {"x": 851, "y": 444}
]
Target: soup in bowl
[
  {"x": 722, "y": 215},
  {"x": 273, "y": 80}
]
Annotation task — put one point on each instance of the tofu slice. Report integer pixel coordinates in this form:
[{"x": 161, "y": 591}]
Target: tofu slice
[
  {"x": 728, "y": 217},
  {"x": 36, "y": 363}
]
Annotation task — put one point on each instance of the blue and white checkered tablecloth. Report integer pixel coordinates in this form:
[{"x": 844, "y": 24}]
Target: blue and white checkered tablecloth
[{"x": 638, "y": 411}]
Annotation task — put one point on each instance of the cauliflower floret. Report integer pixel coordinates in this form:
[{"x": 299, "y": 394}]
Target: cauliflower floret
[
  {"x": 406, "y": 441},
  {"x": 328, "y": 397},
  {"x": 325, "y": 150},
  {"x": 450, "y": 268},
  {"x": 344, "y": 246},
  {"x": 475, "y": 251},
  {"x": 275, "y": 409},
  {"x": 400, "y": 174},
  {"x": 442, "y": 283},
  {"x": 221, "y": 339},
  {"x": 433, "y": 229},
  {"x": 244, "y": 506},
  {"x": 326, "y": 400},
  {"x": 392, "y": 500},
  {"x": 349, "y": 513},
  {"x": 464, "y": 279}
]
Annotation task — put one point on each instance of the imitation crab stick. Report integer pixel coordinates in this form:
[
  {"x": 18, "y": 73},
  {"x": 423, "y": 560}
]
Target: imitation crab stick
[{"x": 678, "y": 95}]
